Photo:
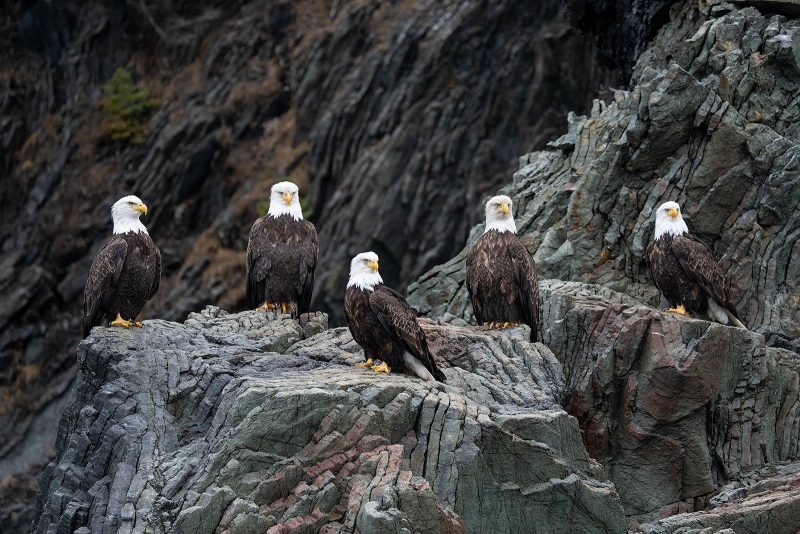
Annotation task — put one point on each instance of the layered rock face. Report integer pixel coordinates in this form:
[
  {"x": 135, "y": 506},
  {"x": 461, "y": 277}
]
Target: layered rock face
[
  {"x": 673, "y": 409},
  {"x": 378, "y": 109},
  {"x": 249, "y": 423}
]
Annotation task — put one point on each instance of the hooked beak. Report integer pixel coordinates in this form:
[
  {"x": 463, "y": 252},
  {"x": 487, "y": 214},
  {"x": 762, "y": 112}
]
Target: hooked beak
[
  {"x": 374, "y": 265},
  {"x": 504, "y": 208},
  {"x": 287, "y": 196},
  {"x": 673, "y": 212},
  {"x": 141, "y": 207}
]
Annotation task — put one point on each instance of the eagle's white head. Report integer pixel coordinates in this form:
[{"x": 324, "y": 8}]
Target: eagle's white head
[
  {"x": 125, "y": 214},
  {"x": 285, "y": 200},
  {"x": 669, "y": 220},
  {"x": 499, "y": 215},
  {"x": 364, "y": 271}
]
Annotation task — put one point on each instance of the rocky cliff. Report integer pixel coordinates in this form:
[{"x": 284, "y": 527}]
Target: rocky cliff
[
  {"x": 674, "y": 412},
  {"x": 249, "y": 423},
  {"x": 378, "y": 109}
]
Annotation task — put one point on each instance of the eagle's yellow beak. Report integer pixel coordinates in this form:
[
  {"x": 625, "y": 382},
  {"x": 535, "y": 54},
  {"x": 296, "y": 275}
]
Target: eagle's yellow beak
[
  {"x": 673, "y": 212},
  {"x": 374, "y": 265},
  {"x": 287, "y": 196},
  {"x": 504, "y": 208},
  {"x": 141, "y": 207}
]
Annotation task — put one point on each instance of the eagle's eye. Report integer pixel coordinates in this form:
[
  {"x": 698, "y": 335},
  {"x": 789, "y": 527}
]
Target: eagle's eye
[{"x": 130, "y": 203}]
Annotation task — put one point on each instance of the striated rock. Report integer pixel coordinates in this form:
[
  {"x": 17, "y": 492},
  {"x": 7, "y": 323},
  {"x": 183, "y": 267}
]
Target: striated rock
[
  {"x": 378, "y": 109},
  {"x": 698, "y": 132},
  {"x": 673, "y": 407},
  {"x": 768, "y": 503},
  {"x": 247, "y": 424}
]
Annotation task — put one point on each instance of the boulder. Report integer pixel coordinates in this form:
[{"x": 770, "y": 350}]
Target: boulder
[{"x": 252, "y": 423}]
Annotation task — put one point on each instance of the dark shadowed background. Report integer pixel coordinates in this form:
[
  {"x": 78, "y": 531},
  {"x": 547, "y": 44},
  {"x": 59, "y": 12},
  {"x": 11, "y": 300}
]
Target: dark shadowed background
[{"x": 396, "y": 118}]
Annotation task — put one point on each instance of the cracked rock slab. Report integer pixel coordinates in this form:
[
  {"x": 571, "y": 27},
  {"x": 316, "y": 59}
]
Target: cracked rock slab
[{"x": 243, "y": 423}]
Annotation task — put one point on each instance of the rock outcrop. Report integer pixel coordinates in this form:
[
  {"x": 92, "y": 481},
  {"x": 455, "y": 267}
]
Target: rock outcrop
[
  {"x": 249, "y": 423},
  {"x": 675, "y": 409},
  {"x": 378, "y": 109}
]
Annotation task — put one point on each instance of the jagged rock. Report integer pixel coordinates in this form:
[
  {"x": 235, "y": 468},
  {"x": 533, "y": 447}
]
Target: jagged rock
[
  {"x": 769, "y": 503},
  {"x": 378, "y": 109},
  {"x": 674, "y": 409},
  {"x": 697, "y": 132},
  {"x": 244, "y": 424}
]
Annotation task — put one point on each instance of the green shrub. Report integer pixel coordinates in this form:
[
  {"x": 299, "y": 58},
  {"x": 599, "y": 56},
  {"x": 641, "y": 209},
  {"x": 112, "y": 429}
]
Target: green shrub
[{"x": 127, "y": 104}]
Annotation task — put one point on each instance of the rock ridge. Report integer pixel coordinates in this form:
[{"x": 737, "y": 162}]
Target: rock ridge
[{"x": 251, "y": 423}]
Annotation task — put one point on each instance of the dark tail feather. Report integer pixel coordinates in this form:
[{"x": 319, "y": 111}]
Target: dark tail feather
[{"x": 439, "y": 376}]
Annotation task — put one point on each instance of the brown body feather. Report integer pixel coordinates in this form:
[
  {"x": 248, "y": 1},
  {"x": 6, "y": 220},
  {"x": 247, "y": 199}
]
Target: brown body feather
[
  {"x": 281, "y": 260},
  {"x": 686, "y": 273},
  {"x": 385, "y": 326},
  {"x": 124, "y": 275},
  {"x": 502, "y": 282}
]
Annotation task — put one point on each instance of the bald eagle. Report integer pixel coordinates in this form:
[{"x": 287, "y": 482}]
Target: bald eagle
[
  {"x": 501, "y": 275},
  {"x": 685, "y": 271},
  {"x": 282, "y": 255},
  {"x": 383, "y": 323},
  {"x": 126, "y": 272}
]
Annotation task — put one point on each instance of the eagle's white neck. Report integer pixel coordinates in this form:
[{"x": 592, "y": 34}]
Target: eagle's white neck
[
  {"x": 278, "y": 207},
  {"x": 501, "y": 225},
  {"x": 127, "y": 221},
  {"x": 364, "y": 280},
  {"x": 363, "y": 277},
  {"x": 673, "y": 226}
]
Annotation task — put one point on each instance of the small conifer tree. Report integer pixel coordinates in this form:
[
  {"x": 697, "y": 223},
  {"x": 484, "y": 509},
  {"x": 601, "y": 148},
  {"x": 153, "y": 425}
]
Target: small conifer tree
[{"x": 127, "y": 104}]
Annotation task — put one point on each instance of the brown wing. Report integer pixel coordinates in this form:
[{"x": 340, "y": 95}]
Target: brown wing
[
  {"x": 650, "y": 257},
  {"x": 258, "y": 264},
  {"x": 527, "y": 282},
  {"x": 102, "y": 281},
  {"x": 157, "y": 279},
  {"x": 701, "y": 267},
  {"x": 401, "y": 324},
  {"x": 309, "y": 244},
  {"x": 474, "y": 260}
]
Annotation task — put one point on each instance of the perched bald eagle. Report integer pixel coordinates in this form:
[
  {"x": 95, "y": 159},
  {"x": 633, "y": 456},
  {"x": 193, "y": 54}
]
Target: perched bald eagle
[
  {"x": 685, "y": 271},
  {"x": 383, "y": 323},
  {"x": 282, "y": 255},
  {"x": 501, "y": 275},
  {"x": 125, "y": 273}
]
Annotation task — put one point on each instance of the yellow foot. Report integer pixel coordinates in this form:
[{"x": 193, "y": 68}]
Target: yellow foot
[
  {"x": 679, "y": 309},
  {"x": 119, "y": 321},
  {"x": 514, "y": 324},
  {"x": 286, "y": 306},
  {"x": 267, "y": 306},
  {"x": 505, "y": 324},
  {"x": 382, "y": 368},
  {"x": 367, "y": 363},
  {"x": 137, "y": 323},
  {"x": 491, "y": 325}
]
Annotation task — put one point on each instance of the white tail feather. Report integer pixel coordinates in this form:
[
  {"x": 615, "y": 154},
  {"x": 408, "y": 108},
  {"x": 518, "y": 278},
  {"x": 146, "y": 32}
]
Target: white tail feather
[
  {"x": 416, "y": 366},
  {"x": 722, "y": 315}
]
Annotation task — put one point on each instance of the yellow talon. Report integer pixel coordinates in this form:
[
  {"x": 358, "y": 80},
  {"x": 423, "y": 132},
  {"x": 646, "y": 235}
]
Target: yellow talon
[
  {"x": 119, "y": 321},
  {"x": 382, "y": 368},
  {"x": 367, "y": 363},
  {"x": 514, "y": 324},
  {"x": 491, "y": 325},
  {"x": 137, "y": 323},
  {"x": 267, "y": 306},
  {"x": 286, "y": 306},
  {"x": 505, "y": 324},
  {"x": 679, "y": 310}
]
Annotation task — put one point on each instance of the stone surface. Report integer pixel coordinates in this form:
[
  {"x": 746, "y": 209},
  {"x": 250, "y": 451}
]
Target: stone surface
[
  {"x": 378, "y": 109},
  {"x": 245, "y": 423},
  {"x": 768, "y": 502},
  {"x": 674, "y": 409},
  {"x": 701, "y": 132}
]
